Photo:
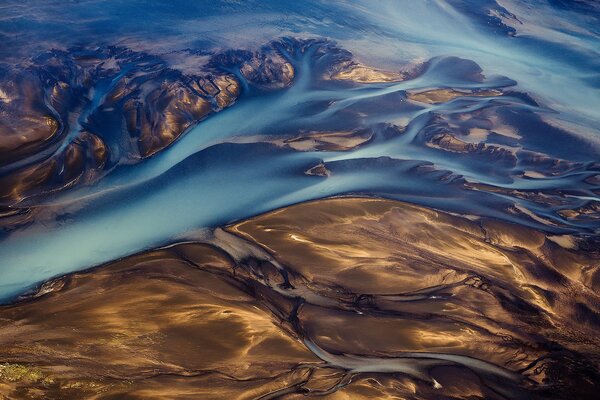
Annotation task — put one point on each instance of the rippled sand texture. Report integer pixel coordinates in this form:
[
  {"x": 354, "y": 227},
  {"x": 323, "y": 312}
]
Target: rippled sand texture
[{"x": 342, "y": 298}]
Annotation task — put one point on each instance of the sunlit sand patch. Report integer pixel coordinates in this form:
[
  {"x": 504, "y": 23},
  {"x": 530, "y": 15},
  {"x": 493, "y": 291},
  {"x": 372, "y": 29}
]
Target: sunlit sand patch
[
  {"x": 328, "y": 141},
  {"x": 534, "y": 175},
  {"x": 436, "y": 96},
  {"x": 566, "y": 241},
  {"x": 477, "y": 135},
  {"x": 407, "y": 248},
  {"x": 141, "y": 318},
  {"x": 29, "y": 132},
  {"x": 5, "y": 98},
  {"x": 365, "y": 74},
  {"x": 503, "y": 129},
  {"x": 447, "y": 141},
  {"x": 532, "y": 215},
  {"x": 314, "y": 140},
  {"x": 590, "y": 211}
]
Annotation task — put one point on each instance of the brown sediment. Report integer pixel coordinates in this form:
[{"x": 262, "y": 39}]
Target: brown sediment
[
  {"x": 153, "y": 122},
  {"x": 437, "y": 283},
  {"x": 360, "y": 73},
  {"x": 318, "y": 170},
  {"x": 167, "y": 315},
  {"x": 591, "y": 211},
  {"x": 268, "y": 69},
  {"x": 26, "y": 123},
  {"x": 85, "y": 156},
  {"x": 329, "y": 141},
  {"x": 228, "y": 90},
  {"x": 31, "y": 130},
  {"x": 435, "y": 96},
  {"x": 345, "y": 297},
  {"x": 170, "y": 109},
  {"x": 449, "y": 142},
  {"x": 347, "y": 69}
]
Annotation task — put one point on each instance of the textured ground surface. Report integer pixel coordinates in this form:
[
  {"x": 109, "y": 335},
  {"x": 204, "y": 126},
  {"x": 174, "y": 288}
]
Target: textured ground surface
[
  {"x": 266, "y": 199},
  {"x": 357, "y": 298}
]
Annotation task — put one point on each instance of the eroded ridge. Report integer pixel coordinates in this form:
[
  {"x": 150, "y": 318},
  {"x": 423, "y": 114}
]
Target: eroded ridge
[
  {"x": 343, "y": 297},
  {"x": 69, "y": 116}
]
